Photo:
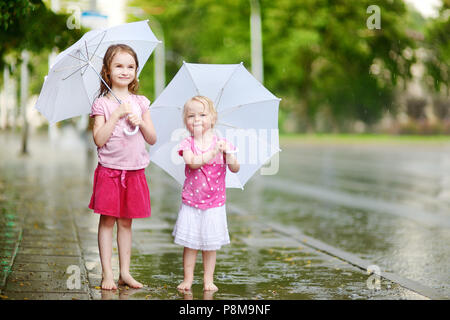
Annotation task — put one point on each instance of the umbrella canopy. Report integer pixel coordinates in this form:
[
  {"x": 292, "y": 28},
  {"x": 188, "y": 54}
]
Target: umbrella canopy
[
  {"x": 73, "y": 83},
  {"x": 247, "y": 117}
]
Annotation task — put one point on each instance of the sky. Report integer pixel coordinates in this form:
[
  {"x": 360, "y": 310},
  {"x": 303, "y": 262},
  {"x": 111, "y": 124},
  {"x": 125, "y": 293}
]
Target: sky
[{"x": 426, "y": 7}]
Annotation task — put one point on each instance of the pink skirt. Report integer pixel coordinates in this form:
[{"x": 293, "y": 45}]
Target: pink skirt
[{"x": 120, "y": 193}]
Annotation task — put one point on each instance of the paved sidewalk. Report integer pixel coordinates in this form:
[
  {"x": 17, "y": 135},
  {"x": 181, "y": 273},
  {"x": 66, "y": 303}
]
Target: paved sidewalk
[
  {"x": 259, "y": 264},
  {"x": 49, "y": 238}
]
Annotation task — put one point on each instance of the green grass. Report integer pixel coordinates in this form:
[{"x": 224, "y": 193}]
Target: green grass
[{"x": 364, "y": 138}]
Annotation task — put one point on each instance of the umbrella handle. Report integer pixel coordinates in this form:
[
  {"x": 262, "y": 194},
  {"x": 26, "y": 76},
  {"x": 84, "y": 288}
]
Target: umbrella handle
[
  {"x": 127, "y": 132},
  {"x": 131, "y": 133}
]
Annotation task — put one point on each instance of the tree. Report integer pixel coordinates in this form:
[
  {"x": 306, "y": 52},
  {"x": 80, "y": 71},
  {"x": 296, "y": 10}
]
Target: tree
[
  {"x": 322, "y": 53},
  {"x": 29, "y": 25},
  {"x": 201, "y": 31},
  {"x": 319, "y": 55},
  {"x": 437, "y": 61}
]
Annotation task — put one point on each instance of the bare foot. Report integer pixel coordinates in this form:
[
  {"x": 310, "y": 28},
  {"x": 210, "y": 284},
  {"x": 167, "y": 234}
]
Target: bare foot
[
  {"x": 185, "y": 285},
  {"x": 209, "y": 286},
  {"x": 129, "y": 281},
  {"x": 108, "y": 283},
  {"x": 187, "y": 294}
]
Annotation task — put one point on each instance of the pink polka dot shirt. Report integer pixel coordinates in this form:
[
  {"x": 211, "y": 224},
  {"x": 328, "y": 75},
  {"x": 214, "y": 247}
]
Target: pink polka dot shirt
[{"x": 204, "y": 188}]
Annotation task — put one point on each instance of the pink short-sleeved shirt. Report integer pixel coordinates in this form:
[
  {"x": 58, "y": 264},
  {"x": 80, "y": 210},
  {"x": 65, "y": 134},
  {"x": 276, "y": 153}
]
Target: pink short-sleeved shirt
[
  {"x": 121, "y": 151},
  {"x": 204, "y": 188}
]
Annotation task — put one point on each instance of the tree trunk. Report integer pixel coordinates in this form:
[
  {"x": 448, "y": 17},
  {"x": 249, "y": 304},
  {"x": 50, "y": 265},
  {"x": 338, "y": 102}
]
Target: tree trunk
[
  {"x": 24, "y": 99},
  {"x": 256, "y": 41}
]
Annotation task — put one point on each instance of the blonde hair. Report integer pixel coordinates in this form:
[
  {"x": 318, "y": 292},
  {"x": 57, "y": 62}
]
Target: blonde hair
[
  {"x": 112, "y": 50},
  {"x": 207, "y": 103}
]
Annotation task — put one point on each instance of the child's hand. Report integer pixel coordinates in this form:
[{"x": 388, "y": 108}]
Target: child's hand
[
  {"x": 134, "y": 119},
  {"x": 123, "y": 110},
  {"x": 221, "y": 146}
]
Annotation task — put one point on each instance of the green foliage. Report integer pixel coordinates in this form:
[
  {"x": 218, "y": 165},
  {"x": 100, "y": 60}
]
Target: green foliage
[
  {"x": 438, "y": 54},
  {"x": 12, "y": 11},
  {"x": 201, "y": 31},
  {"x": 318, "y": 54},
  {"x": 30, "y": 25},
  {"x": 322, "y": 52}
]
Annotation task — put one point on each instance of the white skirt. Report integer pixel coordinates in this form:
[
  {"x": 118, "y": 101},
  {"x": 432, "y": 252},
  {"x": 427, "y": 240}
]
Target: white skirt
[{"x": 198, "y": 229}]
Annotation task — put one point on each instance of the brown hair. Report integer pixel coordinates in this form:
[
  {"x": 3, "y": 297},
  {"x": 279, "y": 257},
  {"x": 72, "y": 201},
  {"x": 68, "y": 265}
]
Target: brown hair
[
  {"x": 207, "y": 103},
  {"x": 133, "y": 87}
]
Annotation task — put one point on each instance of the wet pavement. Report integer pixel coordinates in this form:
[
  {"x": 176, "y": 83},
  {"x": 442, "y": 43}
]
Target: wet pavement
[
  {"x": 352, "y": 198},
  {"x": 387, "y": 203}
]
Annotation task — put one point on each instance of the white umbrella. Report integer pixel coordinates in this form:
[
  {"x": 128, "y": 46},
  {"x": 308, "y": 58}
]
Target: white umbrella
[
  {"x": 247, "y": 117},
  {"x": 72, "y": 83}
]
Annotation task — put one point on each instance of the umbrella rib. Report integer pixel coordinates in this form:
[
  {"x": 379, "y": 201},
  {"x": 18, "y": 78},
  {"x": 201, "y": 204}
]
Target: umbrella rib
[
  {"x": 97, "y": 56},
  {"x": 76, "y": 57},
  {"x": 101, "y": 78},
  {"x": 223, "y": 88},
  {"x": 85, "y": 59},
  {"x": 228, "y": 125},
  {"x": 74, "y": 72},
  {"x": 98, "y": 45},
  {"x": 231, "y": 109},
  {"x": 66, "y": 68},
  {"x": 193, "y": 82},
  {"x": 87, "y": 52},
  {"x": 94, "y": 38},
  {"x": 85, "y": 65},
  {"x": 82, "y": 72}
]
